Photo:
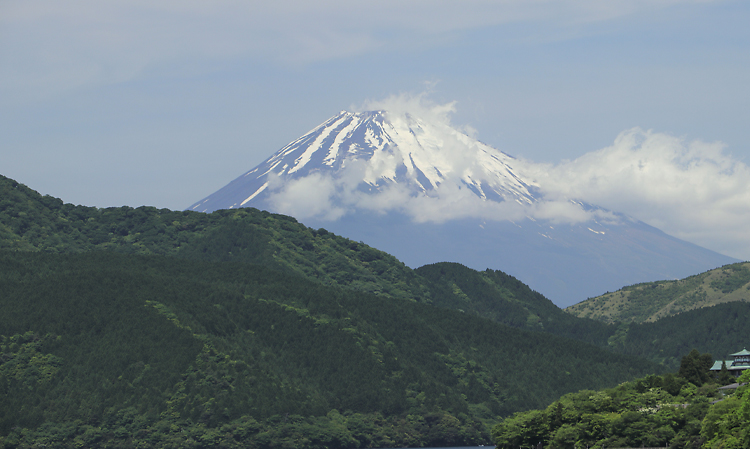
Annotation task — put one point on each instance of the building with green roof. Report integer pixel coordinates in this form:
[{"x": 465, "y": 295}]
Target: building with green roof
[{"x": 739, "y": 363}]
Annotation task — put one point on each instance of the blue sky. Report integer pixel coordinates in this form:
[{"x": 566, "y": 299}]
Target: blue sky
[{"x": 162, "y": 103}]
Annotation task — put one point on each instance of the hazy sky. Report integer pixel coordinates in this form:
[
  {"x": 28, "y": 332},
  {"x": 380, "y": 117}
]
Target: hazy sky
[{"x": 636, "y": 105}]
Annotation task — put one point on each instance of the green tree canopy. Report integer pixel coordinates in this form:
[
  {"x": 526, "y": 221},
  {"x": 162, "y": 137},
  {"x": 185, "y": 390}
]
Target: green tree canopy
[{"x": 695, "y": 367}]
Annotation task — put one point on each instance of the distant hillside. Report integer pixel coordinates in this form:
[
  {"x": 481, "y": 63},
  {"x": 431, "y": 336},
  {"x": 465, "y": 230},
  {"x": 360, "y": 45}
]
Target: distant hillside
[
  {"x": 652, "y": 301},
  {"x": 719, "y": 330},
  {"x": 500, "y": 297}
]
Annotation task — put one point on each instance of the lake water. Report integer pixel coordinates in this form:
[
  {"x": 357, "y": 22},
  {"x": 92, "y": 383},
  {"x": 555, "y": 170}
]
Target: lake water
[{"x": 455, "y": 447}]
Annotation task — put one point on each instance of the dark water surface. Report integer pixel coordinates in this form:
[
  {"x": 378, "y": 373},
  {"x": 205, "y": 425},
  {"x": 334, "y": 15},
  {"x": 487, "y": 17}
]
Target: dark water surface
[{"x": 455, "y": 447}]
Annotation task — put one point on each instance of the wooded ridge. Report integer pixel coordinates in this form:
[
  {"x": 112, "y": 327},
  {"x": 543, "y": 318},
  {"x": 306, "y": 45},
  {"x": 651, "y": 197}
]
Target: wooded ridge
[
  {"x": 179, "y": 344},
  {"x": 242, "y": 328}
]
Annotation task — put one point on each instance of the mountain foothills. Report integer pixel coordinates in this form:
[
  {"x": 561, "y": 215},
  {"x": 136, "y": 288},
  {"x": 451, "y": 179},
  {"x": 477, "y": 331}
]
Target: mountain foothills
[
  {"x": 650, "y": 301},
  {"x": 402, "y": 182},
  {"x": 128, "y": 327}
]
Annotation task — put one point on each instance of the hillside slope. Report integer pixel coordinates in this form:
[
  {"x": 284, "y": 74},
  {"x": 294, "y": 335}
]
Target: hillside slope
[
  {"x": 156, "y": 344},
  {"x": 651, "y": 301},
  {"x": 656, "y": 411},
  {"x": 32, "y": 222},
  {"x": 500, "y": 297}
]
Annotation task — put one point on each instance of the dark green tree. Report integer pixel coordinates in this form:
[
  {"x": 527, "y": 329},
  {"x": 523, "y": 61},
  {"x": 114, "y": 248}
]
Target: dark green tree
[
  {"x": 725, "y": 377},
  {"x": 695, "y": 367}
]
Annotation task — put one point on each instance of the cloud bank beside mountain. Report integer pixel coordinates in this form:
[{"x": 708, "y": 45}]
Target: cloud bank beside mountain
[{"x": 693, "y": 190}]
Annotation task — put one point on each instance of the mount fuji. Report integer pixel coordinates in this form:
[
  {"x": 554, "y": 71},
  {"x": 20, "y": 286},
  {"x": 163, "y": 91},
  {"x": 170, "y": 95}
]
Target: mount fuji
[{"x": 427, "y": 192}]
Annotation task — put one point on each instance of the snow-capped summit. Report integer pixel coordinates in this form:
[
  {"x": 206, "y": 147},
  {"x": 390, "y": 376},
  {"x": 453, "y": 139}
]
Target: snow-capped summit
[
  {"x": 426, "y": 192},
  {"x": 381, "y": 150}
]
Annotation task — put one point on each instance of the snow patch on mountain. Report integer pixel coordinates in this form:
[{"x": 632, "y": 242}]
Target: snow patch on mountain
[
  {"x": 400, "y": 177},
  {"x": 402, "y": 154},
  {"x": 395, "y": 161}
]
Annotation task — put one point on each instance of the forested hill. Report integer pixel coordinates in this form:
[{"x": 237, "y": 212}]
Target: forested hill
[
  {"x": 241, "y": 328},
  {"x": 502, "y": 298},
  {"x": 102, "y": 347},
  {"x": 684, "y": 410},
  {"x": 651, "y": 301},
  {"x": 32, "y": 222}
]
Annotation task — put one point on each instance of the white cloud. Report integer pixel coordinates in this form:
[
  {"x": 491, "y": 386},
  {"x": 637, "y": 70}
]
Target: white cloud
[
  {"x": 325, "y": 197},
  {"x": 307, "y": 197},
  {"x": 418, "y": 105},
  {"x": 328, "y": 196},
  {"x": 560, "y": 212},
  {"x": 692, "y": 190}
]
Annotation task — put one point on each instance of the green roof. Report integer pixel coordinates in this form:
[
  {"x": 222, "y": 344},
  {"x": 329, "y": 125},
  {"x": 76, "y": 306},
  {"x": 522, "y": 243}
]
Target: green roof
[
  {"x": 717, "y": 365},
  {"x": 730, "y": 366},
  {"x": 743, "y": 352}
]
